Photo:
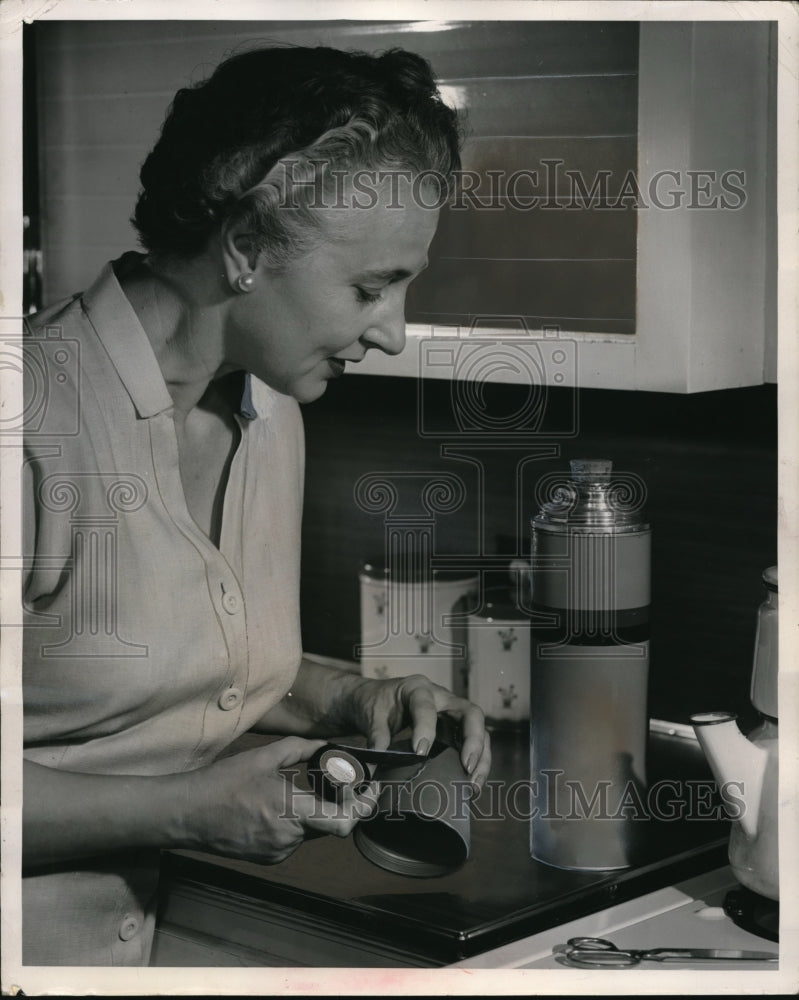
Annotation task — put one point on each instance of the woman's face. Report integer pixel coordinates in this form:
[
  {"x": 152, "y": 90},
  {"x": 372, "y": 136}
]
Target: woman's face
[{"x": 298, "y": 327}]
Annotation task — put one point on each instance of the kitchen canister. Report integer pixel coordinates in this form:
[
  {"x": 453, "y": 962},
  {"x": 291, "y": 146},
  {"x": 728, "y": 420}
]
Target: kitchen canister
[
  {"x": 589, "y": 670},
  {"x": 499, "y": 659},
  {"x": 413, "y": 621}
]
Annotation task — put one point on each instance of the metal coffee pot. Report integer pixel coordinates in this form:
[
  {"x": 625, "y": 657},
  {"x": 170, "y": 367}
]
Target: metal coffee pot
[{"x": 745, "y": 767}]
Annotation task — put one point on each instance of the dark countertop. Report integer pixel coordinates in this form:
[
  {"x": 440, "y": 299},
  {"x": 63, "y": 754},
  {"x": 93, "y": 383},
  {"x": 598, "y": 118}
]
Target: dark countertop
[{"x": 500, "y": 894}]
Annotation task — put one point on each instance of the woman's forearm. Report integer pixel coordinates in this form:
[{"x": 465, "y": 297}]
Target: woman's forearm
[
  {"x": 242, "y": 806},
  {"x": 319, "y": 704},
  {"x": 69, "y": 815}
]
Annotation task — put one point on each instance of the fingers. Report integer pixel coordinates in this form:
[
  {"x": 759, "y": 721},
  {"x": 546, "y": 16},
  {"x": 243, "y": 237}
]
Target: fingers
[
  {"x": 311, "y": 812},
  {"x": 338, "y": 818},
  {"x": 249, "y": 807},
  {"x": 380, "y": 734},
  {"x": 425, "y": 700},
  {"x": 476, "y": 744},
  {"x": 482, "y": 765},
  {"x": 423, "y": 712},
  {"x": 476, "y": 749},
  {"x": 305, "y": 817},
  {"x": 290, "y": 750}
]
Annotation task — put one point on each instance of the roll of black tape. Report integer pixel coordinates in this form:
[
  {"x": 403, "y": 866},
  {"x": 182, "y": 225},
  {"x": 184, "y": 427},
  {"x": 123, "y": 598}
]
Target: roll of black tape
[{"x": 332, "y": 769}]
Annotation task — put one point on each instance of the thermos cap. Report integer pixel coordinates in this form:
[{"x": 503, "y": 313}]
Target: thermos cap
[
  {"x": 590, "y": 499},
  {"x": 591, "y": 468}
]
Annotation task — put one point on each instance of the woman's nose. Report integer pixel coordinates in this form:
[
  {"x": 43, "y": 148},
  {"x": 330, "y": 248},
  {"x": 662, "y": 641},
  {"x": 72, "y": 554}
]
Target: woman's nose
[{"x": 388, "y": 334}]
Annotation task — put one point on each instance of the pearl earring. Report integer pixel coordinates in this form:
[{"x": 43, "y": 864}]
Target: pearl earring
[{"x": 245, "y": 282}]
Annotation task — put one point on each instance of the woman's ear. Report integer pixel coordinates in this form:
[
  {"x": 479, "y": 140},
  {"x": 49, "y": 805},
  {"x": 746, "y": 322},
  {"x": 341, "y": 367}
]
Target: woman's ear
[{"x": 239, "y": 255}]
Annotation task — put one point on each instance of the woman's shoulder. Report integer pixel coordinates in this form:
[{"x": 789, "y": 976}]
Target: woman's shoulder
[
  {"x": 69, "y": 312},
  {"x": 66, "y": 315},
  {"x": 63, "y": 312}
]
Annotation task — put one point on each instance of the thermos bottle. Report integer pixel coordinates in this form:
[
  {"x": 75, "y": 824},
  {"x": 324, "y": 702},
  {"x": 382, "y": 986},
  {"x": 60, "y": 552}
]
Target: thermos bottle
[{"x": 589, "y": 669}]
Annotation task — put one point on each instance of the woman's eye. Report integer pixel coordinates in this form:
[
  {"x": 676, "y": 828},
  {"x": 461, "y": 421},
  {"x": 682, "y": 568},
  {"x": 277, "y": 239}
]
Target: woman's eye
[{"x": 366, "y": 296}]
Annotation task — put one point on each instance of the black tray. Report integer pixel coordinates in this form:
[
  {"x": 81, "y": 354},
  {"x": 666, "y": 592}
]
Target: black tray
[{"x": 500, "y": 895}]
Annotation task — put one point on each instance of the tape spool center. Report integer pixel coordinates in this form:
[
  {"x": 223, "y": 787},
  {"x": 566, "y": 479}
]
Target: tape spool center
[{"x": 340, "y": 770}]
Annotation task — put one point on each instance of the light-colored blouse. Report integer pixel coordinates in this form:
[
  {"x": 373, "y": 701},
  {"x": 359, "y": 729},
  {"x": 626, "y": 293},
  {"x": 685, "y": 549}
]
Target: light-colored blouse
[{"x": 147, "y": 650}]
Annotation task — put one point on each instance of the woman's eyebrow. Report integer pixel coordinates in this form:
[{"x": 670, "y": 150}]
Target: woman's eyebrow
[{"x": 389, "y": 274}]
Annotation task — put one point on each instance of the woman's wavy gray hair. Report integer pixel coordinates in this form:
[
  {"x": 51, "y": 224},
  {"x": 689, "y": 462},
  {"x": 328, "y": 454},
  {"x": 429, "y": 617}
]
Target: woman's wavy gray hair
[{"x": 264, "y": 138}]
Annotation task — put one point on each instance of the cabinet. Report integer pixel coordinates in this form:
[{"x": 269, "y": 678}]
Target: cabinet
[
  {"x": 706, "y": 262},
  {"x": 706, "y": 255}
]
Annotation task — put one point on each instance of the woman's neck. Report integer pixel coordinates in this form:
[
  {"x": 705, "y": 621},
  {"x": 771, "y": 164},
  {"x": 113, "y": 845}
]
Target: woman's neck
[{"x": 181, "y": 308}]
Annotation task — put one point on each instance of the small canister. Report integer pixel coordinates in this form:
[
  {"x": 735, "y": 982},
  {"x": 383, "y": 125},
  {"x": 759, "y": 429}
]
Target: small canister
[
  {"x": 413, "y": 621},
  {"x": 499, "y": 660}
]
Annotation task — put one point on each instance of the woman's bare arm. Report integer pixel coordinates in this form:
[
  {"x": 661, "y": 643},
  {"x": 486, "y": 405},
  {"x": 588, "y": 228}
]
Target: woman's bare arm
[
  {"x": 240, "y": 806},
  {"x": 69, "y": 815}
]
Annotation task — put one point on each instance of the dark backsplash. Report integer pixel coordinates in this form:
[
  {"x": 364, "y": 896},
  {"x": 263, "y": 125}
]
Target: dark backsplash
[{"x": 708, "y": 460}]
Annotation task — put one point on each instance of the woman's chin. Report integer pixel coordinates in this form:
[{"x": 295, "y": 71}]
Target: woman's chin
[{"x": 307, "y": 390}]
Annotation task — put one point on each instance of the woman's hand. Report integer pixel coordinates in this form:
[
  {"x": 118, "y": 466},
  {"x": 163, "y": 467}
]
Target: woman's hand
[
  {"x": 325, "y": 701},
  {"x": 384, "y": 707},
  {"x": 243, "y": 807}
]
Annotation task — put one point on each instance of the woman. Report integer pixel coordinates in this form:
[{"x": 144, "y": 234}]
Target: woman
[{"x": 284, "y": 209}]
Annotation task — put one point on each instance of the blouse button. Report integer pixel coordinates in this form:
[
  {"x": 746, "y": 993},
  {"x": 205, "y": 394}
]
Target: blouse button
[
  {"x": 230, "y": 603},
  {"x": 229, "y": 699},
  {"x": 128, "y": 927}
]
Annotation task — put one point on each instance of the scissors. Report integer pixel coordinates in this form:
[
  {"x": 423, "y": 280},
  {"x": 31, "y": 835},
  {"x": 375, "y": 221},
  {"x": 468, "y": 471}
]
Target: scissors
[{"x": 592, "y": 953}]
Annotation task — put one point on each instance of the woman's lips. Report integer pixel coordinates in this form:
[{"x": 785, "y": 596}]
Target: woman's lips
[{"x": 337, "y": 366}]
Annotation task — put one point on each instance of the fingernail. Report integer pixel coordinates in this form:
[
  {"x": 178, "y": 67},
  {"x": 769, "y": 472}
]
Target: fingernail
[
  {"x": 471, "y": 762},
  {"x": 423, "y": 747},
  {"x": 476, "y": 789}
]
